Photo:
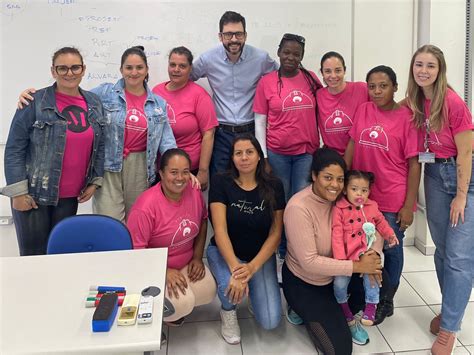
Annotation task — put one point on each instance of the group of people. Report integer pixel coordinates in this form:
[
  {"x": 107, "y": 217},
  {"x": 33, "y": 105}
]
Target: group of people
[{"x": 256, "y": 144}]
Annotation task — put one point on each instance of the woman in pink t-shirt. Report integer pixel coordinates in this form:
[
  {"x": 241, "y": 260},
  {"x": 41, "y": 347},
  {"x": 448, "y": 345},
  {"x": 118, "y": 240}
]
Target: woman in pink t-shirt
[
  {"x": 285, "y": 118},
  {"x": 449, "y": 186},
  {"x": 384, "y": 141},
  {"x": 54, "y": 155},
  {"x": 337, "y": 102},
  {"x": 173, "y": 215},
  {"x": 190, "y": 111}
]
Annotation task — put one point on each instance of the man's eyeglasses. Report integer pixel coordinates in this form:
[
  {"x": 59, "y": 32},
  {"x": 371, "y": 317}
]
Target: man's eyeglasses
[
  {"x": 228, "y": 35},
  {"x": 292, "y": 37},
  {"x": 64, "y": 69}
]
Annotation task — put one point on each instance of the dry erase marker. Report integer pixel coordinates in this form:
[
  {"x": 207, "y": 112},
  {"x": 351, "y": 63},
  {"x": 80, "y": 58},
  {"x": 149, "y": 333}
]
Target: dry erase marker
[
  {"x": 103, "y": 289},
  {"x": 94, "y": 301},
  {"x": 99, "y": 295}
]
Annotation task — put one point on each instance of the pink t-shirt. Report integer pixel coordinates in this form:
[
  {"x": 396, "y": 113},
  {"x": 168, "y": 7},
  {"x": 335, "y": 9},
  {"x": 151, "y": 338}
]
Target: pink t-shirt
[
  {"x": 383, "y": 143},
  {"x": 135, "y": 124},
  {"x": 78, "y": 148},
  {"x": 190, "y": 113},
  {"x": 290, "y": 108},
  {"x": 156, "y": 222},
  {"x": 336, "y": 113},
  {"x": 459, "y": 119}
]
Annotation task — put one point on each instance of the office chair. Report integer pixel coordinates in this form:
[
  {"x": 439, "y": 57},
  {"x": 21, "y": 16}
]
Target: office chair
[{"x": 88, "y": 233}]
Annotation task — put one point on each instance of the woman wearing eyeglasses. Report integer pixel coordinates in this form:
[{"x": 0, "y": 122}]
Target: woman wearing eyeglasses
[
  {"x": 285, "y": 119},
  {"x": 54, "y": 155},
  {"x": 136, "y": 129},
  {"x": 338, "y": 102}
]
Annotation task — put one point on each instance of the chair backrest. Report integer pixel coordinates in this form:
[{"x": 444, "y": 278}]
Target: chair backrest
[{"x": 88, "y": 233}]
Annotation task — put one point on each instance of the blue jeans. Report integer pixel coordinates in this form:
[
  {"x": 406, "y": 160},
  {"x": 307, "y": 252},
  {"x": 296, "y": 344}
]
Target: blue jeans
[
  {"x": 264, "y": 291},
  {"x": 34, "y": 226},
  {"x": 340, "y": 289},
  {"x": 221, "y": 150},
  {"x": 454, "y": 255},
  {"x": 294, "y": 173},
  {"x": 394, "y": 256}
]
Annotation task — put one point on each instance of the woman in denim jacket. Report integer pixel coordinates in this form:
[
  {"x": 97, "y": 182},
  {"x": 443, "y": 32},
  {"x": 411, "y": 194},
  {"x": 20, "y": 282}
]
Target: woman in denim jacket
[
  {"x": 136, "y": 129},
  {"x": 54, "y": 155}
]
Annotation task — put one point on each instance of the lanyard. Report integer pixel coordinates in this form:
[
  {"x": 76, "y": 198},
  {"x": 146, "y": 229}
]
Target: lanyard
[{"x": 427, "y": 133}]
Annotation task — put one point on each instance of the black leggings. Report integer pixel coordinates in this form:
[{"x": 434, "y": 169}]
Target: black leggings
[{"x": 322, "y": 315}]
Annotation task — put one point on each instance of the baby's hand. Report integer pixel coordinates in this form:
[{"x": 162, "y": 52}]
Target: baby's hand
[{"x": 392, "y": 241}]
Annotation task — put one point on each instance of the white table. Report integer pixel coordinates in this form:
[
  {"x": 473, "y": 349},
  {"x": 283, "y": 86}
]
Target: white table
[{"x": 42, "y": 301}]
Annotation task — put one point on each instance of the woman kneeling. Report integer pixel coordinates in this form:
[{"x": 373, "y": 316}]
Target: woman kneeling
[
  {"x": 172, "y": 214},
  {"x": 246, "y": 207}
]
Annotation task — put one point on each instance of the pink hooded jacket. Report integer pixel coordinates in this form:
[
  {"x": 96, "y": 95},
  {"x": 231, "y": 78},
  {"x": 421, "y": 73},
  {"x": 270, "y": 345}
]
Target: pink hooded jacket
[{"x": 348, "y": 237}]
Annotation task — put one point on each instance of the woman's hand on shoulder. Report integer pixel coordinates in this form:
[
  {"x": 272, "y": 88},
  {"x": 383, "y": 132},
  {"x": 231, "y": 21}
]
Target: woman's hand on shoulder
[
  {"x": 244, "y": 272},
  {"x": 369, "y": 263},
  {"x": 236, "y": 290},
  {"x": 23, "y": 203},
  {"x": 196, "y": 270},
  {"x": 195, "y": 183},
  {"x": 25, "y": 98},
  {"x": 175, "y": 281},
  {"x": 203, "y": 178}
]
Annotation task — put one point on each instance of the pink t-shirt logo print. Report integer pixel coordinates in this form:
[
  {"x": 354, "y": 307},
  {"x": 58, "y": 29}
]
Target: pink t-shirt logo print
[
  {"x": 338, "y": 122},
  {"x": 76, "y": 118},
  {"x": 185, "y": 233},
  {"x": 374, "y": 136},
  {"x": 296, "y": 100},
  {"x": 171, "y": 114},
  {"x": 133, "y": 117},
  {"x": 433, "y": 138}
]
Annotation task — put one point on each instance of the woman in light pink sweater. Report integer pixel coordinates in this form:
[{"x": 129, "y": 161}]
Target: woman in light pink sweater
[{"x": 309, "y": 268}]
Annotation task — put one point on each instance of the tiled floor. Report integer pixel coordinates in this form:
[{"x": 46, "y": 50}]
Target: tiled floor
[{"x": 406, "y": 332}]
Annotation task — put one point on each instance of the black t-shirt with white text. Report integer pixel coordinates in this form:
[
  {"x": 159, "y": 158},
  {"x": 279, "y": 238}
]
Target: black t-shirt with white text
[{"x": 248, "y": 215}]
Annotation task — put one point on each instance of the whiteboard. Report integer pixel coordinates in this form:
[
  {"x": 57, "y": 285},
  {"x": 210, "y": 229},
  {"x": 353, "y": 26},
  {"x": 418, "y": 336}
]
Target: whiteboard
[{"x": 31, "y": 30}]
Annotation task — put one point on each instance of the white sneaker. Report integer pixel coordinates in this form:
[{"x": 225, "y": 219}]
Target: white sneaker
[{"x": 230, "y": 329}]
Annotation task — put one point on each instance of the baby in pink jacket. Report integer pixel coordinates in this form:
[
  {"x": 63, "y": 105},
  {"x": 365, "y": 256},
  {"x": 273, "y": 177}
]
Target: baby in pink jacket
[{"x": 356, "y": 222}]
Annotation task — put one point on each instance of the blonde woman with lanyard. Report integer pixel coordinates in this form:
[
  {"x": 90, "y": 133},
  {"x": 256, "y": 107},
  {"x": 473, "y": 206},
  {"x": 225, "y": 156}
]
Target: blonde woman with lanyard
[{"x": 449, "y": 186}]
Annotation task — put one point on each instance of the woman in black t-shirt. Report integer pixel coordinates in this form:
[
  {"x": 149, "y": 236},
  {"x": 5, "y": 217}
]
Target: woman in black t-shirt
[{"x": 246, "y": 207}]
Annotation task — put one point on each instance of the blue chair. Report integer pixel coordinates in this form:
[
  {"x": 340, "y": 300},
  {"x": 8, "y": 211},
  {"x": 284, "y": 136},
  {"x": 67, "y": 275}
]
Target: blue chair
[{"x": 88, "y": 233}]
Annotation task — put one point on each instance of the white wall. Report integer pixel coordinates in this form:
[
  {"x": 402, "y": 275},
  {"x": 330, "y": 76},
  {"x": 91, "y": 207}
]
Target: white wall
[
  {"x": 450, "y": 37},
  {"x": 385, "y": 32}
]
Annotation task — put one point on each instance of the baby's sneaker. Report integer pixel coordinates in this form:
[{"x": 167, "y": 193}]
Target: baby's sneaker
[{"x": 359, "y": 334}]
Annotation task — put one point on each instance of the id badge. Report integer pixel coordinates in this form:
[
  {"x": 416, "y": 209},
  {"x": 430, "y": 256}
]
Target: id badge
[{"x": 426, "y": 157}]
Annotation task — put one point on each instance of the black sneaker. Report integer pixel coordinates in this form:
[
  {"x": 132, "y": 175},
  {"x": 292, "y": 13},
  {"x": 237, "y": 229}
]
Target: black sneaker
[{"x": 176, "y": 323}]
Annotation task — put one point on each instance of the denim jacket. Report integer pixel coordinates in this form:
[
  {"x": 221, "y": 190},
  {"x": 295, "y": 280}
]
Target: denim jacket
[
  {"x": 159, "y": 133},
  {"x": 35, "y": 147}
]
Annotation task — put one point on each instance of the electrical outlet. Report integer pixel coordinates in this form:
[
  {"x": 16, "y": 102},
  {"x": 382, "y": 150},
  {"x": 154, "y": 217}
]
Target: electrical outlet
[{"x": 6, "y": 220}]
